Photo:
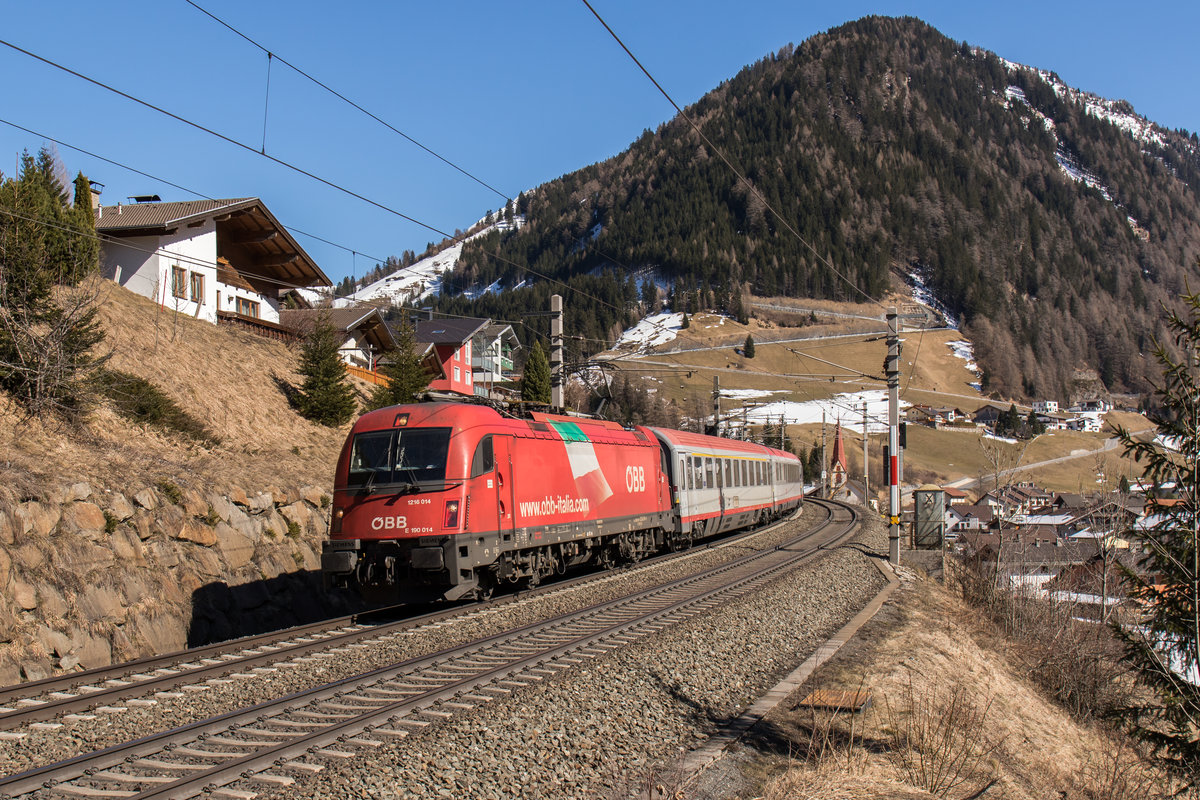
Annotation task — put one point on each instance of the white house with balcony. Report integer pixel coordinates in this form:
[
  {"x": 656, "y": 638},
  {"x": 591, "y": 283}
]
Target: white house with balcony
[
  {"x": 492, "y": 358},
  {"x": 217, "y": 260}
]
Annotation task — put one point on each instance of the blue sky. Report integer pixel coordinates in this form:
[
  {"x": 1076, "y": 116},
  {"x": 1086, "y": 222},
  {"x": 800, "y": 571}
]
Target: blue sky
[{"x": 517, "y": 94}]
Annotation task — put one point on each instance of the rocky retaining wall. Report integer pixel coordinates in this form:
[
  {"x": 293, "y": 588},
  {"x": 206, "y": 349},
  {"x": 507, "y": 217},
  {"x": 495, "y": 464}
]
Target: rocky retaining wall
[{"x": 88, "y": 579}]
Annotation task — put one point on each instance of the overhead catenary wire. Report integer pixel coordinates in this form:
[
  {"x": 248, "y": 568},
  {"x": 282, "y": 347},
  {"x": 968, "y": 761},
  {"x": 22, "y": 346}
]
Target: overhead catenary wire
[
  {"x": 143, "y": 173},
  {"x": 347, "y": 100},
  {"x": 728, "y": 162}
]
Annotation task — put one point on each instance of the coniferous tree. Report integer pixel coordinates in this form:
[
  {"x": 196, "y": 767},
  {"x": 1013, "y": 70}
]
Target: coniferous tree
[
  {"x": 406, "y": 376},
  {"x": 1164, "y": 647},
  {"x": 748, "y": 347},
  {"x": 535, "y": 382},
  {"x": 650, "y": 296},
  {"x": 47, "y": 336},
  {"x": 326, "y": 395},
  {"x": 687, "y": 323}
]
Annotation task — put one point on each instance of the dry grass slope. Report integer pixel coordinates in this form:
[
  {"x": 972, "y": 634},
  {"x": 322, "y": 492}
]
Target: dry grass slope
[
  {"x": 926, "y": 645},
  {"x": 227, "y": 378}
]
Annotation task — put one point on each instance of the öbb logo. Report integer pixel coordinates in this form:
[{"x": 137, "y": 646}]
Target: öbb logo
[
  {"x": 389, "y": 523},
  {"x": 635, "y": 479}
]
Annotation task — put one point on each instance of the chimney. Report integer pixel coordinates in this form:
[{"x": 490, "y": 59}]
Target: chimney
[
  {"x": 118, "y": 208},
  {"x": 96, "y": 188}
]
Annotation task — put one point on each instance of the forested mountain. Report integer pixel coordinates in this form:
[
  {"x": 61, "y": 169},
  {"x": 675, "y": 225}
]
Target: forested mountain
[{"x": 1053, "y": 232}]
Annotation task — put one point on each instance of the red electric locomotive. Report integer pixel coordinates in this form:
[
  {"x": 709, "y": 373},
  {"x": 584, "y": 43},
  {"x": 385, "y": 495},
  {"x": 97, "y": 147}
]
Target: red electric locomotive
[{"x": 450, "y": 500}]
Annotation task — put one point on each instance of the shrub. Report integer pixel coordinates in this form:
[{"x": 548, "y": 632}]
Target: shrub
[
  {"x": 139, "y": 400},
  {"x": 170, "y": 490},
  {"x": 940, "y": 736}
]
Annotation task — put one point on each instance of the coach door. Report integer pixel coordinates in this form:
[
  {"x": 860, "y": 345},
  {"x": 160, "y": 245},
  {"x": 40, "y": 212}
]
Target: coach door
[{"x": 502, "y": 447}]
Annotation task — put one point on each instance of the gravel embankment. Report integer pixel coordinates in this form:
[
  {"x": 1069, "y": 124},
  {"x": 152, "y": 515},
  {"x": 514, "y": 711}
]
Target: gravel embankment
[
  {"x": 42, "y": 745},
  {"x": 602, "y": 729}
]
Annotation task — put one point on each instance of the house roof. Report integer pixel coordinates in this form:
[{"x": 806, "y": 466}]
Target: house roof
[
  {"x": 980, "y": 512},
  {"x": 248, "y": 235},
  {"x": 501, "y": 330},
  {"x": 448, "y": 331},
  {"x": 367, "y": 321}
]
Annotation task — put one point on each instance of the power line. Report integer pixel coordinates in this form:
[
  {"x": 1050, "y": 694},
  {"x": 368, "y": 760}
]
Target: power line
[
  {"x": 271, "y": 54},
  {"x": 742, "y": 178},
  {"x": 152, "y": 177}
]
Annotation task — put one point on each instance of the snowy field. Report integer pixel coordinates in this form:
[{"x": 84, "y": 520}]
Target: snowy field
[
  {"x": 845, "y": 407},
  {"x": 654, "y": 330}
]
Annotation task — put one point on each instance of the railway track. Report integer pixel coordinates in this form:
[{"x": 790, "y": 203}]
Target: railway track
[
  {"x": 71, "y": 696},
  {"x": 239, "y": 754}
]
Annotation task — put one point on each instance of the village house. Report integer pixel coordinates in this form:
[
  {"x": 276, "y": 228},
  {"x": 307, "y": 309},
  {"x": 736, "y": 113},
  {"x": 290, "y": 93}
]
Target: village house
[
  {"x": 224, "y": 261},
  {"x": 970, "y": 517},
  {"x": 934, "y": 416},
  {"x": 1085, "y": 423},
  {"x": 365, "y": 337},
  {"x": 492, "y": 359},
  {"x": 451, "y": 341},
  {"x": 1045, "y": 407},
  {"x": 1017, "y": 500},
  {"x": 1054, "y": 421},
  {"x": 987, "y": 415},
  {"x": 1092, "y": 407},
  {"x": 956, "y": 497}
]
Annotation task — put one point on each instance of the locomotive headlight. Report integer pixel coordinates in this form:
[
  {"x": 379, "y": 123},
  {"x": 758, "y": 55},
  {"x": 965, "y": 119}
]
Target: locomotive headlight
[
  {"x": 451, "y": 518},
  {"x": 335, "y": 521}
]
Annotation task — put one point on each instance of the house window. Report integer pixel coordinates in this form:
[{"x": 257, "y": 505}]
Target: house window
[
  {"x": 247, "y": 308},
  {"x": 178, "y": 282},
  {"x": 457, "y": 374},
  {"x": 197, "y": 288}
]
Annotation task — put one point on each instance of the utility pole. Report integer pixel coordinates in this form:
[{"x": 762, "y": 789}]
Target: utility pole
[
  {"x": 716, "y": 405},
  {"x": 893, "y": 454},
  {"x": 556, "y": 353},
  {"x": 866, "y": 468},
  {"x": 824, "y": 460}
]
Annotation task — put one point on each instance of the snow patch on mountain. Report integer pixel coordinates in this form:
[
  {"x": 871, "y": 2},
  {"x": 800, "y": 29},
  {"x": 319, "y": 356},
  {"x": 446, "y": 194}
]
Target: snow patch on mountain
[
  {"x": 1068, "y": 163},
  {"x": 423, "y": 279},
  {"x": 1118, "y": 112},
  {"x": 924, "y": 295}
]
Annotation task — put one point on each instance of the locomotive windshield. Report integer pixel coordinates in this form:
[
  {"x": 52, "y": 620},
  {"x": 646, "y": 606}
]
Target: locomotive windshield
[{"x": 398, "y": 456}]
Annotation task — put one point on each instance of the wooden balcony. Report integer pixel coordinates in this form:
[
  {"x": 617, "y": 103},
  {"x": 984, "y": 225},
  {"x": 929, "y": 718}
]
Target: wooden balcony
[{"x": 365, "y": 374}]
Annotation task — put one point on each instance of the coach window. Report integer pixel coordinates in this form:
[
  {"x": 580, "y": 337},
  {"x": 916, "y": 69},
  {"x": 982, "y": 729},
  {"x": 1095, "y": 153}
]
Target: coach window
[
  {"x": 697, "y": 472},
  {"x": 484, "y": 460},
  {"x": 745, "y": 474},
  {"x": 709, "y": 481}
]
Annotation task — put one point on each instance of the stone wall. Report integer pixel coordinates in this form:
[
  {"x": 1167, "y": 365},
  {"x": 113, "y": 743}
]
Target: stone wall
[{"x": 88, "y": 579}]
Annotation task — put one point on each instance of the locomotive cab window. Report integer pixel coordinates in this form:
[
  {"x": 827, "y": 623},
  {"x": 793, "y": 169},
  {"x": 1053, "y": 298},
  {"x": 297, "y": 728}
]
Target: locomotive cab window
[
  {"x": 484, "y": 460},
  {"x": 409, "y": 455}
]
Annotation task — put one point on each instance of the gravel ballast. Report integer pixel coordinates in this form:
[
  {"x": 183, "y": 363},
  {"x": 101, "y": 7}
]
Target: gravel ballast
[{"x": 606, "y": 728}]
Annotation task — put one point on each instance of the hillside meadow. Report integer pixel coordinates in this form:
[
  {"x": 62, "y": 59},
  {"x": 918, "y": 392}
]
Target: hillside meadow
[{"x": 229, "y": 380}]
